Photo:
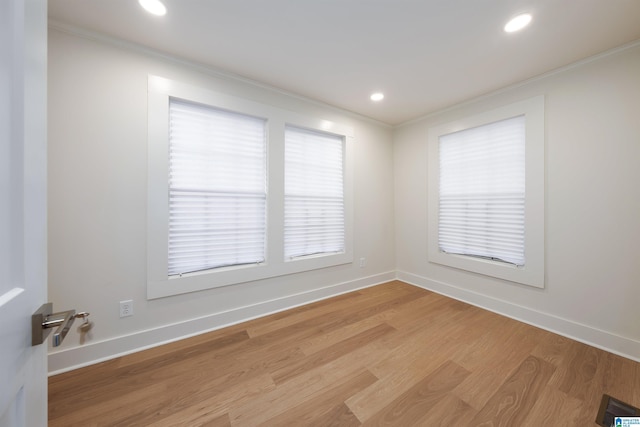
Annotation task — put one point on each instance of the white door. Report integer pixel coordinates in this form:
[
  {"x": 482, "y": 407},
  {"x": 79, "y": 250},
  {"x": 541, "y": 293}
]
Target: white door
[{"x": 23, "y": 220}]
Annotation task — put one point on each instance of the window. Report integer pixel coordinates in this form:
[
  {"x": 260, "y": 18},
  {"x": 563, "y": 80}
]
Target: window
[
  {"x": 486, "y": 193},
  {"x": 217, "y": 188},
  {"x": 314, "y": 193},
  {"x": 482, "y": 191},
  {"x": 241, "y": 191}
]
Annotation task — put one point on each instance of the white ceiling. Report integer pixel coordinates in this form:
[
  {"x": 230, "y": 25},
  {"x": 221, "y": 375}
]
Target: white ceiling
[{"x": 424, "y": 55}]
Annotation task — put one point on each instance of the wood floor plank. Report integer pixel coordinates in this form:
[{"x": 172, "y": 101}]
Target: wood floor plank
[
  {"x": 221, "y": 421},
  {"x": 620, "y": 378},
  {"x": 105, "y": 409},
  {"x": 574, "y": 377},
  {"x": 388, "y": 354},
  {"x": 307, "y": 385},
  {"x": 368, "y": 402},
  {"x": 595, "y": 380},
  {"x": 99, "y": 370},
  {"x": 403, "y": 366},
  {"x": 325, "y": 311},
  {"x": 450, "y": 411},
  {"x": 340, "y": 415},
  {"x": 217, "y": 405},
  {"x": 329, "y": 320},
  {"x": 353, "y": 315},
  {"x": 327, "y": 407},
  {"x": 289, "y": 394},
  {"x": 555, "y": 407},
  {"x": 496, "y": 366},
  {"x": 305, "y": 313},
  {"x": 501, "y": 333},
  {"x": 200, "y": 373},
  {"x": 121, "y": 377},
  {"x": 331, "y": 353},
  {"x": 199, "y": 344},
  {"x": 409, "y": 407},
  {"x": 429, "y": 340},
  {"x": 552, "y": 348},
  {"x": 426, "y": 305},
  {"x": 635, "y": 398},
  {"x": 324, "y": 340},
  {"x": 189, "y": 394},
  {"x": 512, "y": 402}
]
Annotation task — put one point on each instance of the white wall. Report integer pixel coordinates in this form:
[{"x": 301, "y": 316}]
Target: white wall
[
  {"x": 592, "y": 216},
  {"x": 97, "y": 204}
]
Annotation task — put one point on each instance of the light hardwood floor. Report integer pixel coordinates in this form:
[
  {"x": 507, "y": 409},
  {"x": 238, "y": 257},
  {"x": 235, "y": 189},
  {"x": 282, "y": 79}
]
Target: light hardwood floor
[{"x": 392, "y": 354}]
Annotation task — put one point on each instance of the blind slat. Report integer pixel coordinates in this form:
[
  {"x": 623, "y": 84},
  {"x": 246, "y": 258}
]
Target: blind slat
[
  {"x": 482, "y": 191},
  {"x": 217, "y": 188},
  {"x": 314, "y": 193}
]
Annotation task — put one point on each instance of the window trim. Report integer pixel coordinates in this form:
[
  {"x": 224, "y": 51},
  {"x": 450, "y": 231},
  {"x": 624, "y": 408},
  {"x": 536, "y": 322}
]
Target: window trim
[
  {"x": 532, "y": 273},
  {"x": 159, "y": 284}
]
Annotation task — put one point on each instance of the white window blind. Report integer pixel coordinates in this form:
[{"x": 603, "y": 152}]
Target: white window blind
[
  {"x": 482, "y": 191},
  {"x": 314, "y": 219},
  {"x": 217, "y": 188}
]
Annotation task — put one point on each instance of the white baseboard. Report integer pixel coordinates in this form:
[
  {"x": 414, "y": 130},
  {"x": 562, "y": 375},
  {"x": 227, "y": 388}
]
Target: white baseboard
[
  {"x": 604, "y": 340},
  {"x": 89, "y": 354}
]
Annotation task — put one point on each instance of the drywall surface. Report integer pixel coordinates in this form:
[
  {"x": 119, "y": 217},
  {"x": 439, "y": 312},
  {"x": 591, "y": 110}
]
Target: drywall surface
[
  {"x": 98, "y": 203},
  {"x": 592, "y": 205}
]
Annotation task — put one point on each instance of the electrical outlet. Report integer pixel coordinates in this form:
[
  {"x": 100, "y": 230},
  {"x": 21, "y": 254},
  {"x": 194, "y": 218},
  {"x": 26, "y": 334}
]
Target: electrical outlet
[
  {"x": 126, "y": 308},
  {"x": 363, "y": 262}
]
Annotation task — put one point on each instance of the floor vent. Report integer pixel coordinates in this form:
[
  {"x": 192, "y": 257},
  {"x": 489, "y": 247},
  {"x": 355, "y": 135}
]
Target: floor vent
[{"x": 611, "y": 408}]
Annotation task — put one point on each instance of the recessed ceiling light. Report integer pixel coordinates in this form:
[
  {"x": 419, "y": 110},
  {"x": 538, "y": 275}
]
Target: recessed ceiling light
[
  {"x": 378, "y": 96},
  {"x": 153, "y": 6},
  {"x": 518, "y": 23}
]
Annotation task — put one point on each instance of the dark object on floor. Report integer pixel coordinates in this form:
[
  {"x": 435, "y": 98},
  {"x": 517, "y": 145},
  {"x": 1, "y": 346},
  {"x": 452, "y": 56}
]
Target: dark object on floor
[{"x": 611, "y": 408}]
